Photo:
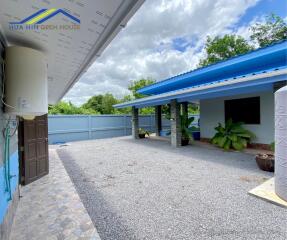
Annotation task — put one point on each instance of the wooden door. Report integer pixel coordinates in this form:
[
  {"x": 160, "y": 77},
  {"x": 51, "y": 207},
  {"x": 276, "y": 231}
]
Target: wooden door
[{"x": 35, "y": 162}]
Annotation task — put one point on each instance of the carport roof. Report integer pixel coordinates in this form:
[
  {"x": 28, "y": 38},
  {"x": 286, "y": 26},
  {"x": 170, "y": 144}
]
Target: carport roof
[
  {"x": 244, "y": 84},
  {"x": 253, "y": 72},
  {"x": 273, "y": 56}
]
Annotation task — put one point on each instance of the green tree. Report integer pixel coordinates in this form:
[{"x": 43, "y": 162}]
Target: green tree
[
  {"x": 126, "y": 110},
  {"x": 94, "y": 103},
  {"x": 101, "y": 103},
  {"x": 68, "y": 108},
  {"x": 107, "y": 104},
  {"x": 221, "y": 48},
  {"x": 193, "y": 108},
  {"x": 272, "y": 30},
  {"x": 133, "y": 87},
  {"x": 136, "y": 85}
]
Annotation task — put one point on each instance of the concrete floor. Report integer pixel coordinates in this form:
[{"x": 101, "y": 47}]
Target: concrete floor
[
  {"x": 50, "y": 209},
  {"x": 145, "y": 189}
]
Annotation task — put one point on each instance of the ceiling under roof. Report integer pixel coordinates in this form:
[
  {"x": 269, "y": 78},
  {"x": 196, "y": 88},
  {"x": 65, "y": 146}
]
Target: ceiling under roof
[{"x": 69, "y": 52}]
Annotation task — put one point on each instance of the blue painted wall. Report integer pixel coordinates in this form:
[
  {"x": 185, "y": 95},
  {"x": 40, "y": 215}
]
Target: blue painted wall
[
  {"x": 14, "y": 170},
  {"x": 13, "y": 150}
]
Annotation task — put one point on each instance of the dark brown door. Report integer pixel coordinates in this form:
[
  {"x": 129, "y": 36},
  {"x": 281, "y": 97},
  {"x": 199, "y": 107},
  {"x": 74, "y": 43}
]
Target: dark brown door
[{"x": 35, "y": 163}]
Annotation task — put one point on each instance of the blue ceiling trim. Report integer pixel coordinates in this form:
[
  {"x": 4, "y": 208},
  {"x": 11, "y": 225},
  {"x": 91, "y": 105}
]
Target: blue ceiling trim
[
  {"x": 235, "y": 88},
  {"x": 232, "y": 92},
  {"x": 204, "y": 96},
  {"x": 273, "y": 56}
]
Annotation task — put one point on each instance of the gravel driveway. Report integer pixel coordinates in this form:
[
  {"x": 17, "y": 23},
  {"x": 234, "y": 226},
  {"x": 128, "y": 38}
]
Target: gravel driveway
[{"x": 145, "y": 189}]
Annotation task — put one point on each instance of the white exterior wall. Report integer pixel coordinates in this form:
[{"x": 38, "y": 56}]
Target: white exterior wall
[{"x": 212, "y": 112}]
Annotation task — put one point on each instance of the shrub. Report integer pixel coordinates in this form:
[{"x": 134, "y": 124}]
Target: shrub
[{"x": 233, "y": 135}]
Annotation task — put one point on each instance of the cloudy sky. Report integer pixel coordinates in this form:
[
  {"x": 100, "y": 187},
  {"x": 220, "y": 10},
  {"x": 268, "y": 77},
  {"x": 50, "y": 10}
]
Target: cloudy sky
[{"x": 165, "y": 38}]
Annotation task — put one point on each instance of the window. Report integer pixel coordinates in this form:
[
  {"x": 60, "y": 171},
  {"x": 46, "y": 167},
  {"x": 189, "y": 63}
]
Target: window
[{"x": 245, "y": 110}]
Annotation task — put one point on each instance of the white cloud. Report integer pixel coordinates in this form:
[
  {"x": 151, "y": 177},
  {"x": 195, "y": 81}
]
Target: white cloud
[{"x": 145, "y": 47}]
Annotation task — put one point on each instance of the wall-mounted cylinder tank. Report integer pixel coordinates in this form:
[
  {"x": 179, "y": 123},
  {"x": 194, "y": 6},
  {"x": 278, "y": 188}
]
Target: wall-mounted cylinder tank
[
  {"x": 26, "y": 92},
  {"x": 281, "y": 143}
]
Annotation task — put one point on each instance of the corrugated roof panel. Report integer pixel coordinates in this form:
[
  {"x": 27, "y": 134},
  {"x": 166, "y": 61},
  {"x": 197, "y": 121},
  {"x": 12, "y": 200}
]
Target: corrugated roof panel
[
  {"x": 252, "y": 82},
  {"x": 273, "y": 56}
]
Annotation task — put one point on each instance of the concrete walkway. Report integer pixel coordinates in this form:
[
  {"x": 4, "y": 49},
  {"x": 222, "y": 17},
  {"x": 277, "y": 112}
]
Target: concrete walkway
[{"x": 50, "y": 208}]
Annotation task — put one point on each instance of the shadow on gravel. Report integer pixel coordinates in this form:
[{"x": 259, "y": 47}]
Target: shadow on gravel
[{"x": 107, "y": 222}]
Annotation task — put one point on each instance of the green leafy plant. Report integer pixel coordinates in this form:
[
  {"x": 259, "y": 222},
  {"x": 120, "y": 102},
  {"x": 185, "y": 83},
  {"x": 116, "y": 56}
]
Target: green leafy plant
[
  {"x": 186, "y": 131},
  {"x": 232, "y": 135}
]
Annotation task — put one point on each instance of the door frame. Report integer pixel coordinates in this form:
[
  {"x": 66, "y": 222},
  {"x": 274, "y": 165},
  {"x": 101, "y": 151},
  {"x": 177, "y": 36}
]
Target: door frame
[{"x": 22, "y": 148}]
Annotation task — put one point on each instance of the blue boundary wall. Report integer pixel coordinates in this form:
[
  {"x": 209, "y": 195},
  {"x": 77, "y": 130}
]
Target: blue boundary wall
[
  {"x": 68, "y": 128},
  {"x": 5, "y": 195}
]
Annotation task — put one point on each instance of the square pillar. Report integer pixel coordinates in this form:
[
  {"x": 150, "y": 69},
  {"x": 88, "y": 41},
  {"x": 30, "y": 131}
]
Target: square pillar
[
  {"x": 135, "y": 122},
  {"x": 175, "y": 123},
  {"x": 158, "y": 125}
]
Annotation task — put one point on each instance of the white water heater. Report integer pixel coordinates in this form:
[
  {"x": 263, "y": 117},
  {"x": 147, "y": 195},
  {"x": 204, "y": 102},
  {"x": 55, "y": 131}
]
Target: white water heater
[{"x": 26, "y": 91}]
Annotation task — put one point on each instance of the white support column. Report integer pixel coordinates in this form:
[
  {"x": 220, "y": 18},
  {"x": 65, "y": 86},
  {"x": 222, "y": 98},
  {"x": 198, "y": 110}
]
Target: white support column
[
  {"x": 175, "y": 123},
  {"x": 281, "y": 143},
  {"x": 135, "y": 122}
]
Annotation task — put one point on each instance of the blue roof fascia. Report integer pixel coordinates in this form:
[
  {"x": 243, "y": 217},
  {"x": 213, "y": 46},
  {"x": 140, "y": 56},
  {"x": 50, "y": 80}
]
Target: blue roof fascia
[
  {"x": 258, "y": 60},
  {"x": 211, "y": 95},
  {"x": 201, "y": 93},
  {"x": 231, "y": 92}
]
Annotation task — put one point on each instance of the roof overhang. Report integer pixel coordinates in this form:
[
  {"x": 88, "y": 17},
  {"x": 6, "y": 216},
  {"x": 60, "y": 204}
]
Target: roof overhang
[
  {"x": 255, "y": 82},
  {"x": 274, "y": 56},
  {"x": 69, "y": 53}
]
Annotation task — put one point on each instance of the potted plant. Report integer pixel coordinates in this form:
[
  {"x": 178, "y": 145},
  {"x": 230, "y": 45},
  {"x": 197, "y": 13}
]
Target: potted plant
[
  {"x": 186, "y": 131},
  {"x": 266, "y": 161},
  {"x": 143, "y": 133},
  {"x": 232, "y": 135}
]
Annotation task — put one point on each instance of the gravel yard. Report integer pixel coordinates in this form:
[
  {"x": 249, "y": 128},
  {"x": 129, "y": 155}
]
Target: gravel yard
[{"x": 145, "y": 189}]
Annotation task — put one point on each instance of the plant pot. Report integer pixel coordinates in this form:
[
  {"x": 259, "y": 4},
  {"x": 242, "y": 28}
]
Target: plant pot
[
  {"x": 196, "y": 135},
  {"x": 265, "y": 162},
  {"x": 184, "y": 142},
  {"x": 141, "y": 135}
]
